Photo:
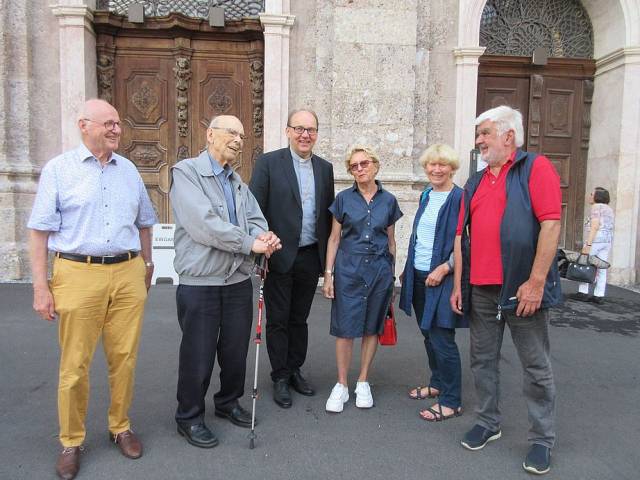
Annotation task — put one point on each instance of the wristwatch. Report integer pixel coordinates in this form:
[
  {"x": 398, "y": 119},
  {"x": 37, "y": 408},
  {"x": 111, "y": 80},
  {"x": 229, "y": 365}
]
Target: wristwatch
[{"x": 148, "y": 264}]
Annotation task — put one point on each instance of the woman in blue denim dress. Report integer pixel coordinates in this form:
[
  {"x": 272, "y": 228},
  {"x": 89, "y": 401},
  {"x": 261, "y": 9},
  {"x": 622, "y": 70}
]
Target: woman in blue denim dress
[{"x": 360, "y": 268}]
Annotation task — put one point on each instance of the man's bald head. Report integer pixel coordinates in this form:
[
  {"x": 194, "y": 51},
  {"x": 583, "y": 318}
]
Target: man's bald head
[
  {"x": 99, "y": 125},
  {"x": 95, "y": 107},
  {"x": 225, "y": 138}
]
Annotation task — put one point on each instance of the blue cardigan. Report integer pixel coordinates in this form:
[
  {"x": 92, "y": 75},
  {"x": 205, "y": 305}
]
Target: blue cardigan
[{"x": 436, "y": 308}]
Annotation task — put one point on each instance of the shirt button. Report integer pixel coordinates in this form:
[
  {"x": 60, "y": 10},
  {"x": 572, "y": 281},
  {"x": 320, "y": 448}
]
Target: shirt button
[
  {"x": 368, "y": 211},
  {"x": 107, "y": 223},
  {"x": 366, "y": 236},
  {"x": 106, "y": 206},
  {"x": 364, "y": 297},
  {"x": 108, "y": 241}
]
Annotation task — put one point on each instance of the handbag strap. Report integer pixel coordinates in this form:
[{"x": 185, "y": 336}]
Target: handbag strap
[{"x": 583, "y": 259}]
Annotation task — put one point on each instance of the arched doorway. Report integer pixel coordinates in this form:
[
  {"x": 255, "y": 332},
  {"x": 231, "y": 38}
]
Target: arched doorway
[{"x": 553, "y": 95}]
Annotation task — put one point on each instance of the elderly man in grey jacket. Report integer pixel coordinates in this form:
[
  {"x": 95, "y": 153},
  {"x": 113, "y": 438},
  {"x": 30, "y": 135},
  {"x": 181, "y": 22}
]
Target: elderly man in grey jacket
[{"x": 219, "y": 229}]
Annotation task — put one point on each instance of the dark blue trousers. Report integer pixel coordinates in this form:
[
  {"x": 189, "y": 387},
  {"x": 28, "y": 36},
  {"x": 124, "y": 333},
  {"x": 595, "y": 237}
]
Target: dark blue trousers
[
  {"x": 442, "y": 351},
  {"x": 214, "y": 320}
]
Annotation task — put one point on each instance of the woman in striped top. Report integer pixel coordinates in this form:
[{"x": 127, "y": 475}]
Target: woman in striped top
[{"x": 427, "y": 282}]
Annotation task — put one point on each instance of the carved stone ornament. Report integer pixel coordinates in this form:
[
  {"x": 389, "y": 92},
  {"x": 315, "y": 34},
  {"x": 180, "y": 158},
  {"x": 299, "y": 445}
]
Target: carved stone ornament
[
  {"x": 233, "y": 9},
  {"x": 106, "y": 73},
  {"x": 219, "y": 100},
  {"x": 256, "y": 74},
  {"x": 145, "y": 99},
  {"x": 518, "y": 27},
  {"x": 182, "y": 72}
]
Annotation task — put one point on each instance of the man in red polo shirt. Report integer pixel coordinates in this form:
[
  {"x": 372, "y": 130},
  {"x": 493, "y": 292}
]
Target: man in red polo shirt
[{"x": 505, "y": 274}]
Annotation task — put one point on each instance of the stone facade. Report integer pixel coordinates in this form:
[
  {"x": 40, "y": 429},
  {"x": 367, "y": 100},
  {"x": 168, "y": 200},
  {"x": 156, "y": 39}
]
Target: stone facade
[
  {"x": 397, "y": 76},
  {"x": 29, "y": 121},
  {"x": 376, "y": 72}
]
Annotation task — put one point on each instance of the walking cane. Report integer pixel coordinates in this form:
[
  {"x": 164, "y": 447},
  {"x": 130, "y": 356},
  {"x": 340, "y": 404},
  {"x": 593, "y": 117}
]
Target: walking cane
[{"x": 261, "y": 270}]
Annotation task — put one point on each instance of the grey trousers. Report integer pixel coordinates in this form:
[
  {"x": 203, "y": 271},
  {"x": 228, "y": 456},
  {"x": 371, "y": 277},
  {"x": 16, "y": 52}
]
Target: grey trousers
[{"x": 531, "y": 338}]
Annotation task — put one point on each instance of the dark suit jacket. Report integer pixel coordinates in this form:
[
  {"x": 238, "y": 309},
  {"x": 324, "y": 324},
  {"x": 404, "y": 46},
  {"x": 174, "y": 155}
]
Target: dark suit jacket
[{"x": 275, "y": 186}]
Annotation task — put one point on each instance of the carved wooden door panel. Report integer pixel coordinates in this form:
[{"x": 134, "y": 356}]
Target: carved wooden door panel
[
  {"x": 223, "y": 87},
  {"x": 555, "y": 102},
  {"x": 143, "y": 97},
  {"x": 168, "y": 79},
  {"x": 556, "y": 130},
  {"x": 496, "y": 91}
]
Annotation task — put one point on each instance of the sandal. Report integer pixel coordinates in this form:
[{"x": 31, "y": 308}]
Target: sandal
[
  {"x": 438, "y": 415},
  {"x": 420, "y": 396}
]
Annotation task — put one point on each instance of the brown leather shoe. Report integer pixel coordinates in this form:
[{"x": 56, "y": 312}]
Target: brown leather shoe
[
  {"x": 129, "y": 444},
  {"x": 68, "y": 463}
]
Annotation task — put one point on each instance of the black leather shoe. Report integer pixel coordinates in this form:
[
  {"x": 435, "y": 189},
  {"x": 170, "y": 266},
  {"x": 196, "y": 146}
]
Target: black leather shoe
[
  {"x": 300, "y": 384},
  {"x": 281, "y": 393},
  {"x": 198, "y": 435},
  {"x": 238, "y": 416}
]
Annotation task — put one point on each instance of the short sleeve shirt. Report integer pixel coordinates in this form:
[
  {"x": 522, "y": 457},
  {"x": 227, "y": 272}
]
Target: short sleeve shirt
[
  {"x": 364, "y": 225},
  {"x": 91, "y": 209},
  {"x": 604, "y": 214},
  {"x": 487, "y": 208}
]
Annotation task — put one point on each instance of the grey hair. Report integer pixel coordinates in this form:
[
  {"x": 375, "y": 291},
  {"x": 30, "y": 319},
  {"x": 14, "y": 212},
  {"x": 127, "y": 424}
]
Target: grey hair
[{"x": 505, "y": 119}]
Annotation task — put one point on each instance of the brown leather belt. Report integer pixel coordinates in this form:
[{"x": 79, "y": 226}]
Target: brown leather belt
[{"x": 106, "y": 260}]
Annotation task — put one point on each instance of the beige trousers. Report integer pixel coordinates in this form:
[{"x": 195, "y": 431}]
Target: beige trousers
[{"x": 94, "y": 301}]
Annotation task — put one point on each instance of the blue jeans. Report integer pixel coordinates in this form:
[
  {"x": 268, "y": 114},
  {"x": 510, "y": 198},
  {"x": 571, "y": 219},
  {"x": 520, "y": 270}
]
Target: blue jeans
[{"x": 442, "y": 351}]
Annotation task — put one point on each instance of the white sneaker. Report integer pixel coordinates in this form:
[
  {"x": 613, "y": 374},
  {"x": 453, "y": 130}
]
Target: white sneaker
[
  {"x": 364, "y": 399},
  {"x": 339, "y": 396}
]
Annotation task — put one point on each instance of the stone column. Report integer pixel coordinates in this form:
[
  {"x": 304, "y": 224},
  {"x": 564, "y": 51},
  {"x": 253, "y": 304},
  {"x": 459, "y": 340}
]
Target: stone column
[
  {"x": 613, "y": 155},
  {"x": 16, "y": 136},
  {"x": 466, "y": 95},
  {"x": 277, "y": 24},
  {"x": 77, "y": 63}
]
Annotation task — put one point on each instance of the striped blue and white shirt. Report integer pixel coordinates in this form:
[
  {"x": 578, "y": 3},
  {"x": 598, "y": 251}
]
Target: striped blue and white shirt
[
  {"x": 90, "y": 209},
  {"x": 426, "y": 231}
]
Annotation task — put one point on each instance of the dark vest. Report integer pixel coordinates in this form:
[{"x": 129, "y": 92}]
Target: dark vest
[{"x": 519, "y": 232}]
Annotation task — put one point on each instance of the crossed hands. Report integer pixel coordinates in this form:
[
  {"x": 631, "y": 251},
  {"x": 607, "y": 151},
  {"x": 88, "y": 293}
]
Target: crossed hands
[{"x": 266, "y": 243}]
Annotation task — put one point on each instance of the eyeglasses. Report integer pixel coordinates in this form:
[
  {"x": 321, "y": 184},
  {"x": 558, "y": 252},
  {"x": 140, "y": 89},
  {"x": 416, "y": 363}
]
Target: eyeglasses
[
  {"x": 300, "y": 130},
  {"x": 109, "y": 124},
  {"x": 362, "y": 164},
  {"x": 232, "y": 132}
]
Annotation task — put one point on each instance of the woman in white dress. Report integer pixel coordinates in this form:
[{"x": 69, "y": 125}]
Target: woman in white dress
[{"x": 598, "y": 236}]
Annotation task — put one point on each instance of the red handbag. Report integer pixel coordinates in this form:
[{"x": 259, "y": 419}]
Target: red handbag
[{"x": 389, "y": 335}]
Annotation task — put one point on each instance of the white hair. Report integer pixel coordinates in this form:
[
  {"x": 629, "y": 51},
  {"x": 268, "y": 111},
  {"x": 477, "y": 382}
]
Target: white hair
[{"x": 505, "y": 119}]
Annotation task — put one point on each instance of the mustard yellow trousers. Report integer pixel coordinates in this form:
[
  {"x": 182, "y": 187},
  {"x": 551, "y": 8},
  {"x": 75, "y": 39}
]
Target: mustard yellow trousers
[{"x": 94, "y": 301}]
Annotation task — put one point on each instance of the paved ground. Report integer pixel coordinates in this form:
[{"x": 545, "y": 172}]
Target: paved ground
[{"x": 595, "y": 354}]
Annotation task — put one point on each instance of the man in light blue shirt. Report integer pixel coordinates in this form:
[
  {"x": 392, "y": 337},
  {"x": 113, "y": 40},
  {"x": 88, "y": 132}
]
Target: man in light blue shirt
[{"x": 93, "y": 212}]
